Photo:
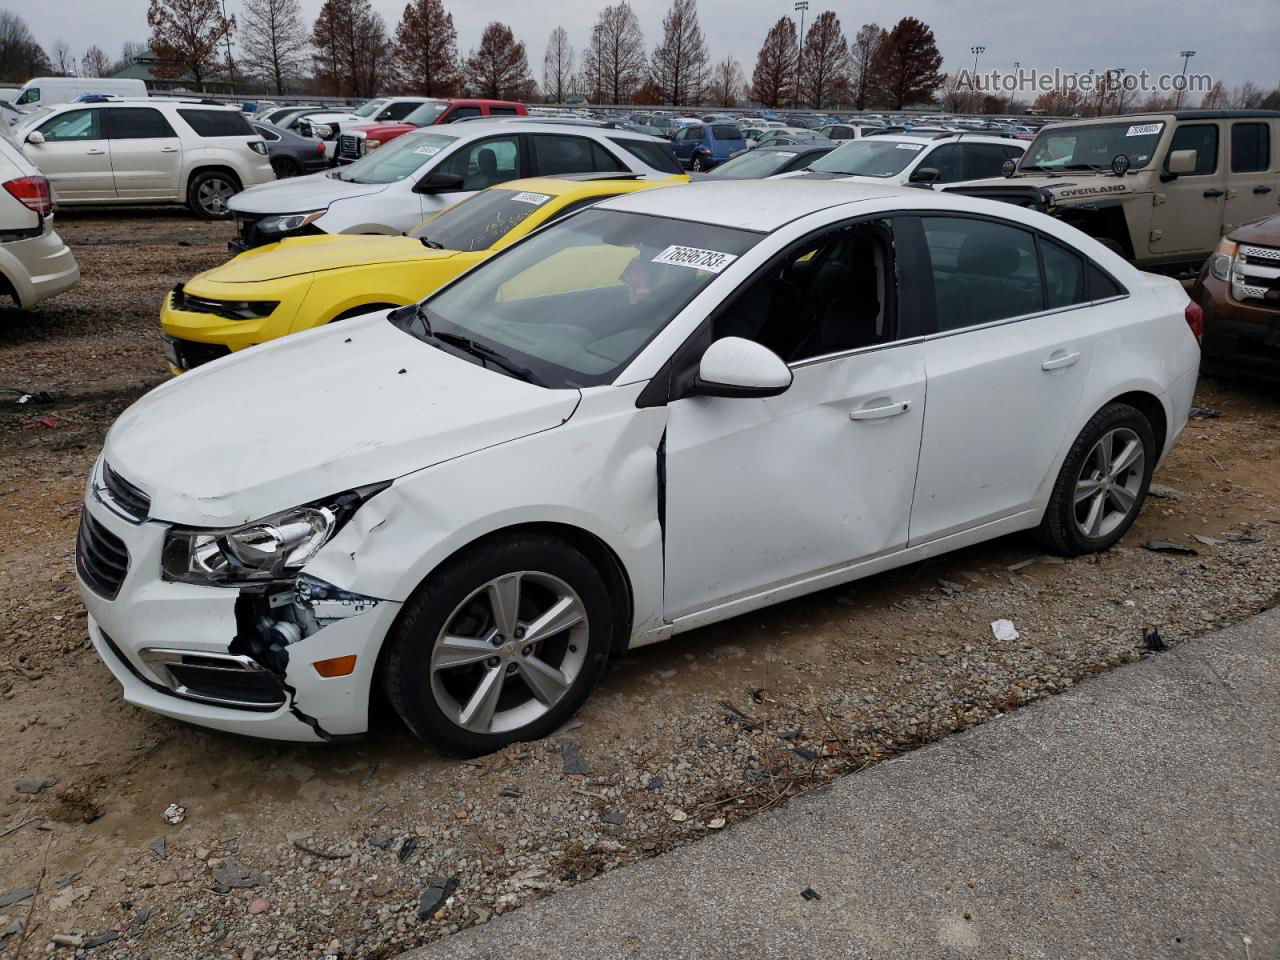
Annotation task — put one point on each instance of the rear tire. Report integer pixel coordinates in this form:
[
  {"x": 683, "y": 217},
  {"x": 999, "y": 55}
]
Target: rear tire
[
  {"x": 208, "y": 193},
  {"x": 453, "y": 644},
  {"x": 1102, "y": 484},
  {"x": 285, "y": 168}
]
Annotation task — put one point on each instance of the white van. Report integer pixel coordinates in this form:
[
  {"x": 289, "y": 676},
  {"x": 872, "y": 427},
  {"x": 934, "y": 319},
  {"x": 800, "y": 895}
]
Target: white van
[{"x": 46, "y": 91}]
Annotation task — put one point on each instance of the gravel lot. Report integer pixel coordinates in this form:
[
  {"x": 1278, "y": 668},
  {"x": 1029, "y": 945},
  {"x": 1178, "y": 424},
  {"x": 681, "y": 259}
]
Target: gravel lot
[{"x": 364, "y": 849}]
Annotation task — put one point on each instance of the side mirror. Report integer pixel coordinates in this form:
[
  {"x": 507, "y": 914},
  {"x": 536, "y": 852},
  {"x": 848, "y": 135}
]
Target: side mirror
[
  {"x": 734, "y": 367},
  {"x": 924, "y": 175},
  {"x": 35, "y": 137},
  {"x": 1182, "y": 161},
  {"x": 440, "y": 183}
]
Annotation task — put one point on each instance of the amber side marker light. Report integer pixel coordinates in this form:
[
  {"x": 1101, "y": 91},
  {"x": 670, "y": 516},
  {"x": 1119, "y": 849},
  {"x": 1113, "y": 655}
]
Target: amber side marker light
[{"x": 336, "y": 666}]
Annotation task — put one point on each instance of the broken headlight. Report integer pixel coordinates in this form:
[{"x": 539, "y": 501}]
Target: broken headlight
[
  {"x": 288, "y": 222},
  {"x": 273, "y": 548}
]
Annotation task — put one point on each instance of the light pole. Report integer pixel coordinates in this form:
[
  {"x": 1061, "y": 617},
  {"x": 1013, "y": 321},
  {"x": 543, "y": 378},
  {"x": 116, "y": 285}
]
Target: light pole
[
  {"x": 1017, "y": 73},
  {"x": 1186, "y": 56},
  {"x": 801, "y": 7},
  {"x": 977, "y": 52}
]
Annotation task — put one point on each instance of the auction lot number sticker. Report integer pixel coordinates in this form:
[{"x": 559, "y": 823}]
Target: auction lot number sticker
[{"x": 711, "y": 260}]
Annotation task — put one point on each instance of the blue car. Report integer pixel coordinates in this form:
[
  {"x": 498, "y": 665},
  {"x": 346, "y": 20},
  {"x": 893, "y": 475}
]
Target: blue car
[{"x": 701, "y": 146}]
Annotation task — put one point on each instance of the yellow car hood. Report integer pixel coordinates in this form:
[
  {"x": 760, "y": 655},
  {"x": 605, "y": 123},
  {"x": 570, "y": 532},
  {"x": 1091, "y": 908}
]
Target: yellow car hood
[{"x": 298, "y": 255}]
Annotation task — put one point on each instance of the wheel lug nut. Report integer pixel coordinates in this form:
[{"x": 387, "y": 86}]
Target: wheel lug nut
[
  {"x": 493, "y": 662},
  {"x": 527, "y": 650},
  {"x": 519, "y": 633},
  {"x": 511, "y": 668},
  {"x": 498, "y": 640}
]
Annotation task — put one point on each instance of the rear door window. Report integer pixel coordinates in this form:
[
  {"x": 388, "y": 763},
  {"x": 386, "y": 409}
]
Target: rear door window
[
  {"x": 1064, "y": 277},
  {"x": 983, "y": 271},
  {"x": 558, "y": 154},
  {"x": 1250, "y": 147},
  {"x": 217, "y": 123},
  {"x": 660, "y": 156},
  {"x": 136, "y": 123},
  {"x": 458, "y": 113}
]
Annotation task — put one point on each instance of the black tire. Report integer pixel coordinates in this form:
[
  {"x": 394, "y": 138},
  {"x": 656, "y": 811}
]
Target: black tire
[
  {"x": 208, "y": 192},
  {"x": 1060, "y": 528},
  {"x": 285, "y": 167},
  {"x": 406, "y": 673}
]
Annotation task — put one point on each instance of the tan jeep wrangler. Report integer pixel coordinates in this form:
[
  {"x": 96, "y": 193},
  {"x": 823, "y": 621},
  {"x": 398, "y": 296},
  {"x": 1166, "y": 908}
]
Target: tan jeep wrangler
[{"x": 1159, "y": 188}]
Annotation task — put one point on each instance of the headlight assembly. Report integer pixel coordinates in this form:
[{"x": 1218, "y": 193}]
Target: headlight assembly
[
  {"x": 1222, "y": 260},
  {"x": 273, "y": 548},
  {"x": 288, "y": 222}
]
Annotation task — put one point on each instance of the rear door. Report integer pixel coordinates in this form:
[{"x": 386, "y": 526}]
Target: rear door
[
  {"x": 1253, "y": 179},
  {"x": 556, "y": 154},
  {"x": 1188, "y": 212},
  {"x": 1006, "y": 367},
  {"x": 146, "y": 153},
  {"x": 75, "y": 156}
]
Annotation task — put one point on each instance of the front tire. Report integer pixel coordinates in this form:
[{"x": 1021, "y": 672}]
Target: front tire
[
  {"x": 1103, "y": 482},
  {"x": 501, "y": 644},
  {"x": 208, "y": 193}
]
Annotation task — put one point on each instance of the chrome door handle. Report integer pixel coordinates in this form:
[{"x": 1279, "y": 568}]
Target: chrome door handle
[
  {"x": 1262, "y": 189},
  {"x": 1212, "y": 194},
  {"x": 1059, "y": 361},
  {"x": 95, "y": 153},
  {"x": 879, "y": 413},
  {"x": 168, "y": 149}
]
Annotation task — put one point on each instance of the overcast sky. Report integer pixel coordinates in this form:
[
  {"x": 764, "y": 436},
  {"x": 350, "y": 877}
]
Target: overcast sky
[{"x": 1234, "y": 42}]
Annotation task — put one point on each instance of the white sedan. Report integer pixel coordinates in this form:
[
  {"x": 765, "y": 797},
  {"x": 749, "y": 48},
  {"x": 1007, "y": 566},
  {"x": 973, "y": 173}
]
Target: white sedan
[{"x": 665, "y": 410}]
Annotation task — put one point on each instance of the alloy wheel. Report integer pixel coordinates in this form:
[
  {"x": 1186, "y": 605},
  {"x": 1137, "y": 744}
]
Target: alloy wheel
[
  {"x": 509, "y": 652},
  {"x": 1107, "y": 490},
  {"x": 213, "y": 196}
]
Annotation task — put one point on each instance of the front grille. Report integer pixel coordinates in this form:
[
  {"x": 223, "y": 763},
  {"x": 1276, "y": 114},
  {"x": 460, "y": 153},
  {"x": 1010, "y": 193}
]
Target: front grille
[
  {"x": 247, "y": 229},
  {"x": 1256, "y": 275},
  {"x": 350, "y": 147},
  {"x": 102, "y": 559},
  {"x": 132, "y": 501},
  {"x": 189, "y": 354}
]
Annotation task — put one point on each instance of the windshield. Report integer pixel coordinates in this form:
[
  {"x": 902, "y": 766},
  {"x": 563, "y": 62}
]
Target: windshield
[
  {"x": 1093, "y": 146},
  {"x": 425, "y": 115},
  {"x": 577, "y": 301},
  {"x": 869, "y": 158},
  {"x": 753, "y": 166},
  {"x": 369, "y": 109},
  {"x": 396, "y": 160},
  {"x": 480, "y": 221}
]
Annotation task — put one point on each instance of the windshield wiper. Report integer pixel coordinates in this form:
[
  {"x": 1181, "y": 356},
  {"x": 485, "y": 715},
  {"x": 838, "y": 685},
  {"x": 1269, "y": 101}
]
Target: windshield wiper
[
  {"x": 430, "y": 244},
  {"x": 488, "y": 355}
]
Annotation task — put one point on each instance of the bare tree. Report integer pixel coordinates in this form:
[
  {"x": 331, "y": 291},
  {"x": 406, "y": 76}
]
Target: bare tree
[
  {"x": 1247, "y": 96},
  {"x": 187, "y": 35},
  {"x": 64, "y": 61},
  {"x": 427, "y": 49},
  {"x": 773, "y": 82},
  {"x": 727, "y": 83},
  {"x": 824, "y": 74},
  {"x": 20, "y": 55},
  {"x": 499, "y": 69},
  {"x": 95, "y": 62},
  {"x": 862, "y": 57},
  {"x": 614, "y": 65},
  {"x": 352, "y": 41},
  {"x": 557, "y": 66},
  {"x": 130, "y": 50},
  {"x": 274, "y": 41},
  {"x": 679, "y": 64},
  {"x": 1215, "y": 98}
]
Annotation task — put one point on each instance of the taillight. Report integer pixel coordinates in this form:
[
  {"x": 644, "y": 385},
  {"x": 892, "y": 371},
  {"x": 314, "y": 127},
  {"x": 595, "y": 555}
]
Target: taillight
[
  {"x": 1195, "y": 319},
  {"x": 32, "y": 192}
]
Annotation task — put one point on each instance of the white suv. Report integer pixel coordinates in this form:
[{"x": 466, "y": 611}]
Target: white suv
[
  {"x": 398, "y": 186},
  {"x": 34, "y": 262},
  {"x": 148, "y": 151}
]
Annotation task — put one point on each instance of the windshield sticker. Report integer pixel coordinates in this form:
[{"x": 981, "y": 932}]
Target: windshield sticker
[
  {"x": 537, "y": 199},
  {"x": 1143, "y": 129},
  {"x": 710, "y": 260},
  {"x": 913, "y": 147},
  {"x": 427, "y": 151}
]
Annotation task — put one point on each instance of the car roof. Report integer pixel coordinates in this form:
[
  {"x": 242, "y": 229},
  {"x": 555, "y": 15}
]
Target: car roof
[
  {"x": 759, "y": 205},
  {"x": 531, "y": 125},
  {"x": 573, "y": 188}
]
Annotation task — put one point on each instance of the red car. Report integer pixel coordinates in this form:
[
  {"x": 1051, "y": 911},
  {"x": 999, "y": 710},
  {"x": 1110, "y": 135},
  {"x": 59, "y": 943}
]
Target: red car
[{"x": 355, "y": 142}]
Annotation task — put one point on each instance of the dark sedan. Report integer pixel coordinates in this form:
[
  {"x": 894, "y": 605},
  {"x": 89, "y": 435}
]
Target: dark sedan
[
  {"x": 292, "y": 154},
  {"x": 767, "y": 161}
]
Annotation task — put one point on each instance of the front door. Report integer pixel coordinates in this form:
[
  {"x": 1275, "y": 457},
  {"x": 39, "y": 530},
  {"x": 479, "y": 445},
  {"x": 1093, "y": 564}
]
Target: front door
[
  {"x": 1253, "y": 183},
  {"x": 765, "y": 492},
  {"x": 146, "y": 154},
  {"x": 75, "y": 156},
  {"x": 1187, "y": 216},
  {"x": 1007, "y": 367}
]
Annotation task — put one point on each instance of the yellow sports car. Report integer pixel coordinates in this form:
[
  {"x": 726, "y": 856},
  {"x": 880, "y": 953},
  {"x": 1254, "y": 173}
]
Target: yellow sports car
[{"x": 303, "y": 282}]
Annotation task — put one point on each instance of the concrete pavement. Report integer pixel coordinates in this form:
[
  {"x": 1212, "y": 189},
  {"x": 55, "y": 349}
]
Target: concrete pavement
[{"x": 1136, "y": 816}]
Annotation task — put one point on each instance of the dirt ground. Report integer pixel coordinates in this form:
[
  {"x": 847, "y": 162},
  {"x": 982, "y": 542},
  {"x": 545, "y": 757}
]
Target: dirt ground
[{"x": 298, "y": 851}]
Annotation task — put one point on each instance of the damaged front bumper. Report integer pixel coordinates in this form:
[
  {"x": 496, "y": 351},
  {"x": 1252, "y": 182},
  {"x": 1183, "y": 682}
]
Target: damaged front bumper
[{"x": 243, "y": 660}]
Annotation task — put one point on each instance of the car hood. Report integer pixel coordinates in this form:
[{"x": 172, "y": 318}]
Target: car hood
[
  {"x": 375, "y": 131},
  {"x": 1263, "y": 233},
  {"x": 300, "y": 194},
  {"x": 298, "y": 255},
  {"x": 315, "y": 414},
  {"x": 1068, "y": 187}
]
